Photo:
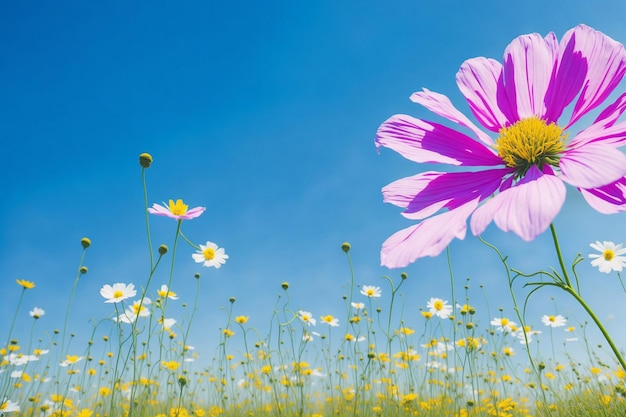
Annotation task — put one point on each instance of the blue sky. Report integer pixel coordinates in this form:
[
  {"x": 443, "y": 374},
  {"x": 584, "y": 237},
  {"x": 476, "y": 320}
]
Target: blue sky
[{"x": 265, "y": 113}]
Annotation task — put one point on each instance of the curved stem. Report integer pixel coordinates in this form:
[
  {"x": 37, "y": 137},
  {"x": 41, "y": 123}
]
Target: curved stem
[
  {"x": 559, "y": 255},
  {"x": 569, "y": 289},
  {"x": 598, "y": 323}
]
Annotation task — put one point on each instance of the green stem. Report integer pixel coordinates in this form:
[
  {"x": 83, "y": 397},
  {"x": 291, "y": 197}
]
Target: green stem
[
  {"x": 559, "y": 254},
  {"x": 569, "y": 289},
  {"x": 598, "y": 323},
  {"x": 145, "y": 202}
]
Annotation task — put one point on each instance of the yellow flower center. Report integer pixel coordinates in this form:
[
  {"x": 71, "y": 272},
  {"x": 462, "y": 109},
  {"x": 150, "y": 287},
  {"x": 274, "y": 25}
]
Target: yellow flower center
[
  {"x": 438, "y": 305},
  {"x": 504, "y": 321},
  {"x": 552, "y": 319},
  {"x": 138, "y": 309},
  {"x": 608, "y": 254},
  {"x": 178, "y": 208},
  {"x": 117, "y": 294},
  {"x": 530, "y": 142},
  {"x": 209, "y": 253}
]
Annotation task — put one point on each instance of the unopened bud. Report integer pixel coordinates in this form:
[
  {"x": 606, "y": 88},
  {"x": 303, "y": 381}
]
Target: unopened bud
[{"x": 145, "y": 159}]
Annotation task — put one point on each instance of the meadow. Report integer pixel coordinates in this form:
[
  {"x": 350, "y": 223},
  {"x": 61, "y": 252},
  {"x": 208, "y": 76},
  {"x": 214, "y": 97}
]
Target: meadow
[{"x": 460, "y": 357}]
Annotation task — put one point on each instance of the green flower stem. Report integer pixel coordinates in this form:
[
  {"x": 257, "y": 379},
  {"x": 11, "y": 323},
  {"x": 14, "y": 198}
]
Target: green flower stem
[
  {"x": 559, "y": 254},
  {"x": 145, "y": 201},
  {"x": 569, "y": 289},
  {"x": 598, "y": 323}
]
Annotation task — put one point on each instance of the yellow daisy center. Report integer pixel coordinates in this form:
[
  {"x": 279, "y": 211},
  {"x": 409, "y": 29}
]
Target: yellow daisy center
[
  {"x": 370, "y": 292},
  {"x": 209, "y": 253},
  {"x": 504, "y": 321},
  {"x": 552, "y": 319},
  {"x": 178, "y": 208},
  {"x": 438, "y": 305},
  {"x": 138, "y": 309},
  {"x": 530, "y": 142},
  {"x": 608, "y": 254},
  {"x": 117, "y": 294}
]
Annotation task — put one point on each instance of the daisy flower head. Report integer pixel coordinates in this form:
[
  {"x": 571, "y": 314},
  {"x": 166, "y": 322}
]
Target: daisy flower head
[
  {"x": 439, "y": 308},
  {"x": 371, "y": 291},
  {"x": 525, "y": 334},
  {"x": 211, "y": 255},
  {"x": 330, "y": 320},
  {"x": 176, "y": 210},
  {"x": 137, "y": 309},
  {"x": 554, "y": 321},
  {"x": 117, "y": 292},
  {"x": 165, "y": 292},
  {"x": 36, "y": 312},
  {"x": 610, "y": 257},
  {"x": 503, "y": 324},
  {"x": 516, "y": 164},
  {"x": 357, "y": 305},
  {"x": 8, "y": 406},
  {"x": 307, "y": 318}
]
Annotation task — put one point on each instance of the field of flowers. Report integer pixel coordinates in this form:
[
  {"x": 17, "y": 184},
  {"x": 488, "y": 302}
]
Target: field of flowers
[
  {"x": 460, "y": 357},
  {"x": 368, "y": 362}
]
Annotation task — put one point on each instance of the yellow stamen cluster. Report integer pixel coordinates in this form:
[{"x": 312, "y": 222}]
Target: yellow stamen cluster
[
  {"x": 608, "y": 254},
  {"x": 209, "y": 253},
  {"x": 179, "y": 208},
  {"x": 530, "y": 142}
]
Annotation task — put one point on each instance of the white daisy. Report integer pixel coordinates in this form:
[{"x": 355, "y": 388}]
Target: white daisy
[
  {"x": 211, "y": 255},
  {"x": 609, "y": 259},
  {"x": 371, "y": 291},
  {"x": 554, "y": 321},
  {"x": 330, "y": 320},
  {"x": 503, "y": 324},
  {"x": 36, "y": 312},
  {"x": 307, "y": 318},
  {"x": 439, "y": 307},
  {"x": 117, "y": 292}
]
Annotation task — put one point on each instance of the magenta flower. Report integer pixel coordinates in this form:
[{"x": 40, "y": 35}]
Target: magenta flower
[
  {"x": 177, "y": 210},
  {"x": 521, "y": 100}
]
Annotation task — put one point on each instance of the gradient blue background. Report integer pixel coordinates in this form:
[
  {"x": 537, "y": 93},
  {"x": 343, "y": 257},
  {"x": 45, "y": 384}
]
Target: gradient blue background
[{"x": 265, "y": 113}]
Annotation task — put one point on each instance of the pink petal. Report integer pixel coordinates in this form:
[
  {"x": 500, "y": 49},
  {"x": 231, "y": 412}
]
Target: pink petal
[
  {"x": 193, "y": 213},
  {"x": 441, "y": 105},
  {"x": 422, "y": 141},
  {"x": 426, "y": 193},
  {"x": 480, "y": 80},
  {"x": 608, "y": 199},
  {"x": 428, "y": 238},
  {"x": 592, "y": 165},
  {"x": 609, "y": 116},
  {"x": 567, "y": 80},
  {"x": 528, "y": 63},
  {"x": 159, "y": 210},
  {"x": 606, "y": 66},
  {"x": 614, "y": 135},
  {"x": 526, "y": 209}
]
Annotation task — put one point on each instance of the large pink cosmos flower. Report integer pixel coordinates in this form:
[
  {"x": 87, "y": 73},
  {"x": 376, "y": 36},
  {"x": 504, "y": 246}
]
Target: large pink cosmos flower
[{"x": 519, "y": 176}]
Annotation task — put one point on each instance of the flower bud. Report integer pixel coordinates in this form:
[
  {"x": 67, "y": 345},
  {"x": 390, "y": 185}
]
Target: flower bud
[
  {"x": 345, "y": 246},
  {"x": 162, "y": 250},
  {"x": 145, "y": 159},
  {"x": 85, "y": 242},
  {"x": 285, "y": 285},
  {"x": 83, "y": 270}
]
